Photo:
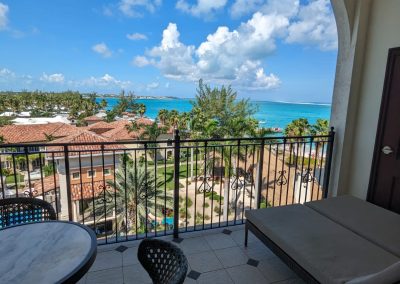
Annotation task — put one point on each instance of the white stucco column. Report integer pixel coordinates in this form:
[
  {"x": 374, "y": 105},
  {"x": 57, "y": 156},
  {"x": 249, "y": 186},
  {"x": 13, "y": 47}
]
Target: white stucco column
[
  {"x": 63, "y": 198},
  {"x": 352, "y": 22}
]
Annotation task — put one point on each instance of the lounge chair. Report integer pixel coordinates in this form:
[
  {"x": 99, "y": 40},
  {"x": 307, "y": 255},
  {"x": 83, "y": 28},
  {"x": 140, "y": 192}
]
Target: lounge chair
[{"x": 336, "y": 240}]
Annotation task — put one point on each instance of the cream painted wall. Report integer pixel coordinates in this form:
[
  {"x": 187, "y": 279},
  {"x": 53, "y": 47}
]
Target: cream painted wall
[{"x": 382, "y": 33}]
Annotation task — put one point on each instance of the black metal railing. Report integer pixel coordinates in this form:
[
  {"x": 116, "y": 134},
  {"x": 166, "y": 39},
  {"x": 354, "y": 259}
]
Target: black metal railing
[{"x": 136, "y": 189}]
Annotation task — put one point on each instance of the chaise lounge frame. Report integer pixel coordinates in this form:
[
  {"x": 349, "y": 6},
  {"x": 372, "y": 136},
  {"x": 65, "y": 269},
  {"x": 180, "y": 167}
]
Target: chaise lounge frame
[{"x": 290, "y": 262}]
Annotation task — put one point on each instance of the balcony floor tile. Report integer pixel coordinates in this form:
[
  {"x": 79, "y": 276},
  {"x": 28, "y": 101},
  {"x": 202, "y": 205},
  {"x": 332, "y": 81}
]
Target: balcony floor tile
[
  {"x": 106, "y": 260},
  {"x": 218, "y": 257},
  {"x": 113, "y": 275}
]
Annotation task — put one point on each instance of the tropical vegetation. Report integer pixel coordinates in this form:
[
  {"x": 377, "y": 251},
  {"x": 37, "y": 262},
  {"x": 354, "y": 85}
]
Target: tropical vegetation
[
  {"x": 302, "y": 127},
  {"x": 46, "y": 104},
  {"x": 126, "y": 104},
  {"x": 134, "y": 192}
]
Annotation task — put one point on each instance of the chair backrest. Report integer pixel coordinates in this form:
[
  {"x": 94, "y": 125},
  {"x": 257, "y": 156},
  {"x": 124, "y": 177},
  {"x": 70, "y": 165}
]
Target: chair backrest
[
  {"x": 20, "y": 210},
  {"x": 164, "y": 261}
]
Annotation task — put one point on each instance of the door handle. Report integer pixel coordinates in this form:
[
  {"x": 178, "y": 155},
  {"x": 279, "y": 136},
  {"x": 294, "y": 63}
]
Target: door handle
[{"x": 387, "y": 150}]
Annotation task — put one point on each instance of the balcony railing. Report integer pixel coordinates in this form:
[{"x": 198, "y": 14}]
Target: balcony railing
[{"x": 135, "y": 189}]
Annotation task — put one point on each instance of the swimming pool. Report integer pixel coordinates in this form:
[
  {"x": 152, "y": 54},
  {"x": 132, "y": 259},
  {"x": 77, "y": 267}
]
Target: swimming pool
[
  {"x": 165, "y": 221},
  {"x": 168, "y": 221}
]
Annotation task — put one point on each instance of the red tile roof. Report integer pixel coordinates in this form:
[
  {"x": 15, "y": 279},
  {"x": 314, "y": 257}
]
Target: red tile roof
[
  {"x": 144, "y": 120},
  {"x": 78, "y": 141},
  {"x": 87, "y": 192},
  {"x": 120, "y": 131},
  {"x": 120, "y": 123},
  {"x": 93, "y": 118},
  {"x": 100, "y": 127},
  {"x": 34, "y": 133},
  {"x": 48, "y": 184},
  {"x": 121, "y": 134}
]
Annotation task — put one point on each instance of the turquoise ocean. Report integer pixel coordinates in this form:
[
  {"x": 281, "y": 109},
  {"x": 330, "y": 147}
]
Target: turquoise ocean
[{"x": 269, "y": 114}]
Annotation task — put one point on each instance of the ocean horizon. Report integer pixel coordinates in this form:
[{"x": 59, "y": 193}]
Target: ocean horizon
[{"x": 269, "y": 113}]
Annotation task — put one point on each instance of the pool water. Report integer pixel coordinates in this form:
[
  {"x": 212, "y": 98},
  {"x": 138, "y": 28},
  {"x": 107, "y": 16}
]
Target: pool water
[{"x": 168, "y": 221}]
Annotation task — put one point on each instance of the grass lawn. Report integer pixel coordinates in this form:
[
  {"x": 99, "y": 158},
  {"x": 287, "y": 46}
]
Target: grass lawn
[
  {"x": 11, "y": 180},
  {"x": 169, "y": 174}
]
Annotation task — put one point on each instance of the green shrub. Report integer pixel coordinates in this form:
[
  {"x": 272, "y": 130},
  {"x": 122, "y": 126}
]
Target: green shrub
[
  {"x": 184, "y": 214},
  {"x": 199, "y": 218}
]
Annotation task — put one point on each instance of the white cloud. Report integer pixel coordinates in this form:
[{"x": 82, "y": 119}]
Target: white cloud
[
  {"x": 314, "y": 25},
  {"x": 3, "y": 16},
  {"x": 225, "y": 51},
  {"x": 228, "y": 57},
  {"x": 53, "y": 78},
  {"x": 132, "y": 8},
  {"x": 251, "y": 76},
  {"x": 141, "y": 61},
  {"x": 102, "y": 49},
  {"x": 202, "y": 8},
  {"x": 104, "y": 81},
  {"x": 6, "y": 73},
  {"x": 175, "y": 59},
  {"x": 152, "y": 86},
  {"x": 136, "y": 36},
  {"x": 238, "y": 56}
]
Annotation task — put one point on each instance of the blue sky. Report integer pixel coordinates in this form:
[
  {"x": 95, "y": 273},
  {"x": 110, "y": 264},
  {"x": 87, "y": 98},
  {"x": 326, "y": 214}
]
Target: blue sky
[{"x": 266, "y": 49}]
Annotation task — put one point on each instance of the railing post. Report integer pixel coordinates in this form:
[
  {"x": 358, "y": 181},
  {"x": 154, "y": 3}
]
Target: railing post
[
  {"x": 68, "y": 182},
  {"x": 177, "y": 148},
  {"x": 328, "y": 161},
  {"x": 260, "y": 173}
]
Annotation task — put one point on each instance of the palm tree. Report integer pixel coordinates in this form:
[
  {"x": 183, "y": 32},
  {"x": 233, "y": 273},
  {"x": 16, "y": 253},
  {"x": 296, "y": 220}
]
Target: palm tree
[
  {"x": 173, "y": 118},
  {"x": 163, "y": 115},
  {"x": 320, "y": 128},
  {"x": 103, "y": 104},
  {"x": 152, "y": 132},
  {"x": 133, "y": 127},
  {"x": 218, "y": 113},
  {"x": 142, "y": 109},
  {"x": 136, "y": 192},
  {"x": 298, "y": 127}
]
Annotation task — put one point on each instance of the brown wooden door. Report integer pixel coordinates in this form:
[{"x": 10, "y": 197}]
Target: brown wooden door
[{"x": 384, "y": 188}]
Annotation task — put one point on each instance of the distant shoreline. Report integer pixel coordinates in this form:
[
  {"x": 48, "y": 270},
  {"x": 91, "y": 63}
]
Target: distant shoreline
[
  {"x": 143, "y": 97},
  {"x": 177, "y": 98}
]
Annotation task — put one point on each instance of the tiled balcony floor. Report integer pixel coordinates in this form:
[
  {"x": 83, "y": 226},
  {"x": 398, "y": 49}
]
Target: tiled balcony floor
[{"x": 215, "y": 256}]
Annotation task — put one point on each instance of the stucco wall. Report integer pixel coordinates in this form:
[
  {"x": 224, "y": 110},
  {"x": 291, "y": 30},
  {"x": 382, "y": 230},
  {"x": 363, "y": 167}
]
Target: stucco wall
[{"x": 382, "y": 34}]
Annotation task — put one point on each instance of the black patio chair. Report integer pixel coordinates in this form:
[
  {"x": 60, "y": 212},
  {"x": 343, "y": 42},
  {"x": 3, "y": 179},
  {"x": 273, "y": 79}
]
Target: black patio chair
[
  {"x": 164, "y": 262},
  {"x": 20, "y": 210}
]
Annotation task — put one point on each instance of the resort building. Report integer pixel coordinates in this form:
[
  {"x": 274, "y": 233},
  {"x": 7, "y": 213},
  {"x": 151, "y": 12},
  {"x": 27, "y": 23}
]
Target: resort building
[
  {"x": 31, "y": 134},
  {"x": 348, "y": 233},
  {"x": 89, "y": 167}
]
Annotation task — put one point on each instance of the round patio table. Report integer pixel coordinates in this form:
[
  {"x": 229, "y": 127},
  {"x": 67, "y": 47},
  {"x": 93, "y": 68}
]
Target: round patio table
[{"x": 46, "y": 252}]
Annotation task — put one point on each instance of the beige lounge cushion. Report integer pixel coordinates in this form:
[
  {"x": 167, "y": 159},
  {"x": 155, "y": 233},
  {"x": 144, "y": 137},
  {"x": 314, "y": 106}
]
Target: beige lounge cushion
[
  {"x": 389, "y": 275},
  {"x": 374, "y": 223},
  {"x": 328, "y": 251}
]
